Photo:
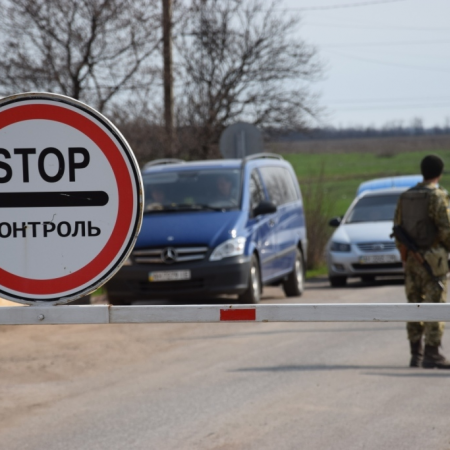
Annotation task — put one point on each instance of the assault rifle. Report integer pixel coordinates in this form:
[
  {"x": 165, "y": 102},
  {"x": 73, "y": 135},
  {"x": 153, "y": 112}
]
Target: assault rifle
[{"x": 402, "y": 236}]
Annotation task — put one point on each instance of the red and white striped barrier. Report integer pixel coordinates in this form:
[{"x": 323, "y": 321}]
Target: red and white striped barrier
[{"x": 338, "y": 312}]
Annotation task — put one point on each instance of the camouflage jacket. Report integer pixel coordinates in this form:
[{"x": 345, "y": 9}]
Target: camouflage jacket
[{"x": 439, "y": 213}]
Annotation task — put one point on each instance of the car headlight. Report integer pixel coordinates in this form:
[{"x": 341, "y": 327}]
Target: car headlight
[
  {"x": 340, "y": 247},
  {"x": 232, "y": 247}
]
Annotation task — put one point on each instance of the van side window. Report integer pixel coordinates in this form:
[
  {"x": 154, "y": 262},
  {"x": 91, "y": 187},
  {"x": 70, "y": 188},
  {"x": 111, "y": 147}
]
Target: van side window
[
  {"x": 292, "y": 194},
  {"x": 256, "y": 190},
  {"x": 279, "y": 184}
]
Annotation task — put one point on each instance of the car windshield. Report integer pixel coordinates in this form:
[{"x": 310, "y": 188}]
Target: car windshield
[
  {"x": 374, "y": 208},
  {"x": 192, "y": 190}
]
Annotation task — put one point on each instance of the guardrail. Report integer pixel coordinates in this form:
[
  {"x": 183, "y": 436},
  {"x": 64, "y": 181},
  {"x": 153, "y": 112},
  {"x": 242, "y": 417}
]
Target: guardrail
[{"x": 338, "y": 312}]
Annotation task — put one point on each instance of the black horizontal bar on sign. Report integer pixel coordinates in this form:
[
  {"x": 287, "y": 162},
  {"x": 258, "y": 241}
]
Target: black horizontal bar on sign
[{"x": 52, "y": 199}]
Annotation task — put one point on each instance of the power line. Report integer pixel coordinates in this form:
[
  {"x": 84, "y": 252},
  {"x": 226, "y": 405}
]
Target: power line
[
  {"x": 390, "y": 100},
  {"x": 392, "y": 107},
  {"x": 373, "y": 27},
  {"x": 386, "y": 63},
  {"x": 342, "y": 5},
  {"x": 382, "y": 44}
]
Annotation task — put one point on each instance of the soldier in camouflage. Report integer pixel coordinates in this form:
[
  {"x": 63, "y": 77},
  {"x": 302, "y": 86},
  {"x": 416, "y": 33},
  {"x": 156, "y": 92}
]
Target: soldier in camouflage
[{"x": 423, "y": 212}]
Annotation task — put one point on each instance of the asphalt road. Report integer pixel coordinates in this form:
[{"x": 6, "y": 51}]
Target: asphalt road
[{"x": 223, "y": 386}]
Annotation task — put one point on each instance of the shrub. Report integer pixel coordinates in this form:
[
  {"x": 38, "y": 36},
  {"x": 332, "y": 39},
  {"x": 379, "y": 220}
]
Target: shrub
[{"x": 318, "y": 203}]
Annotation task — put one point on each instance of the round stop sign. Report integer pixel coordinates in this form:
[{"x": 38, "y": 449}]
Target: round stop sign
[{"x": 70, "y": 199}]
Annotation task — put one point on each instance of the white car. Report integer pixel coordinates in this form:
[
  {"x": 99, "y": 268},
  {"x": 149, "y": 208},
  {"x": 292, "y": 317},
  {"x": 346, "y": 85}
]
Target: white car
[{"x": 361, "y": 246}]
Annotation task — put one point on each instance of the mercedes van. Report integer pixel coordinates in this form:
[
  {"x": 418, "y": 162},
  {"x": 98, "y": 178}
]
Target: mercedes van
[{"x": 216, "y": 227}]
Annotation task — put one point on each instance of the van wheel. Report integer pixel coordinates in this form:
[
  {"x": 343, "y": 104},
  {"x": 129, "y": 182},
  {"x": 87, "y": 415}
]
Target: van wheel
[
  {"x": 253, "y": 292},
  {"x": 294, "y": 284},
  {"x": 338, "y": 281}
]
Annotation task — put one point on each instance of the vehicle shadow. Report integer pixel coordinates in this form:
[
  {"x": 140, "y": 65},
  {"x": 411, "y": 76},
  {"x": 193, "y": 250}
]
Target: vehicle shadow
[
  {"x": 274, "y": 293},
  {"x": 359, "y": 284},
  {"x": 356, "y": 283},
  {"x": 407, "y": 371}
]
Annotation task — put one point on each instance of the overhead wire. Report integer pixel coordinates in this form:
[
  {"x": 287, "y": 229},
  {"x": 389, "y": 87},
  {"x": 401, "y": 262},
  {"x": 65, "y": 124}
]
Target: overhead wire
[
  {"x": 390, "y": 100},
  {"x": 392, "y": 107},
  {"x": 342, "y": 5},
  {"x": 375, "y": 27},
  {"x": 387, "y": 63},
  {"x": 383, "y": 44},
  {"x": 403, "y": 103}
]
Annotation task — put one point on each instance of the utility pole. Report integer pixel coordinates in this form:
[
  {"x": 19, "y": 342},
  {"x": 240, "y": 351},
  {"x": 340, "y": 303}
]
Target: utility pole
[{"x": 168, "y": 73}]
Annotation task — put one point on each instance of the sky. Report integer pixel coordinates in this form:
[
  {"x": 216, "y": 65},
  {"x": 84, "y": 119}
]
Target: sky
[{"x": 385, "y": 60}]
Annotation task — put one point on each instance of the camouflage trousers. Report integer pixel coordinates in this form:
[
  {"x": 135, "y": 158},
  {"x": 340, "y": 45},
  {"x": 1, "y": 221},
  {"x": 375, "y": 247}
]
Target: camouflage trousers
[{"x": 421, "y": 288}]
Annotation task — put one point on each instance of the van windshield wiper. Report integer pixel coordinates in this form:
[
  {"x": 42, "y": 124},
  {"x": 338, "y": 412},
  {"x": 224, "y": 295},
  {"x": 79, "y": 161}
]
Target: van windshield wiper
[
  {"x": 176, "y": 207},
  {"x": 195, "y": 207}
]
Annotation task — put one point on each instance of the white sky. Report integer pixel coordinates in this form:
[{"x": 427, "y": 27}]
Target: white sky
[{"x": 385, "y": 61}]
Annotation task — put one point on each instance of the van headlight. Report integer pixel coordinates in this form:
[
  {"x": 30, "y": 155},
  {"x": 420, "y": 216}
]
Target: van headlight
[
  {"x": 340, "y": 247},
  {"x": 232, "y": 247}
]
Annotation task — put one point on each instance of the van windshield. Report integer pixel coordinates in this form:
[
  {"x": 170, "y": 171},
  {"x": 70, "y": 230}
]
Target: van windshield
[
  {"x": 192, "y": 190},
  {"x": 374, "y": 208}
]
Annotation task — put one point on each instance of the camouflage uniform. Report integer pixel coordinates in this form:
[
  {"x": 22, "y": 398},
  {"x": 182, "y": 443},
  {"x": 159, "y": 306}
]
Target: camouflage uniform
[{"x": 419, "y": 285}]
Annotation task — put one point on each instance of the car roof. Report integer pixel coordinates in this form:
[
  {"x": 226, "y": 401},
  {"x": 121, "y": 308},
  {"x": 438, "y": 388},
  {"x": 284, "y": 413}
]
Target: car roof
[
  {"x": 210, "y": 164},
  {"x": 213, "y": 164},
  {"x": 389, "y": 182},
  {"x": 387, "y": 191},
  {"x": 383, "y": 191}
]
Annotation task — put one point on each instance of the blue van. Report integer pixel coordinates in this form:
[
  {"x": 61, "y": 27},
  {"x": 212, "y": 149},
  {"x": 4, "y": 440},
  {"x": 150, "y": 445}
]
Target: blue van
[{"x": 216, "y": 227}]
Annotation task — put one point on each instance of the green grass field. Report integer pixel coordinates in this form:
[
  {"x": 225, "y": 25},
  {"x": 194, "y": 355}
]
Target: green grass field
[{"x": 341, "y": 173}]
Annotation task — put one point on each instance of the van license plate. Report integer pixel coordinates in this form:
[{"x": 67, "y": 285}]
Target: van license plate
[
  {"x": 169, "y": 275},
  {"x": 378, "y": 259}
]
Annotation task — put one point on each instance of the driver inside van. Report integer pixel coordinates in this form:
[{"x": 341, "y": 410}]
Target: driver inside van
[
  {"x": 225, "y": 189},
  {"x": 157, "y": 198}
]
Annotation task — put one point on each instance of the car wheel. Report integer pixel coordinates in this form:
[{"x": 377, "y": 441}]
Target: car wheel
[
  {"x": 338, "y": 281},
  {"x": 253, "y": 292},
  {"x": 294, "y": 284}
]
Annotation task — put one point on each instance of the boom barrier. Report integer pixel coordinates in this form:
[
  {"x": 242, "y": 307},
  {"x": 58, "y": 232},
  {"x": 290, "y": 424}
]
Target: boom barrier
[{"x": 326, "y": 312}]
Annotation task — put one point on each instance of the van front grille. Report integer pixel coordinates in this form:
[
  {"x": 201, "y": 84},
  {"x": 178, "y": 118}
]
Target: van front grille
[{"x": 169, "y": 255}]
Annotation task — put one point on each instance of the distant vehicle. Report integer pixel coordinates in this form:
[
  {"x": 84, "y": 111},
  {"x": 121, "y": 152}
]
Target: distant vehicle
[
  {"x": 361, "y": 246},
  {"x": 389, "y": 182},
  {"x": 216, "y": 227}
]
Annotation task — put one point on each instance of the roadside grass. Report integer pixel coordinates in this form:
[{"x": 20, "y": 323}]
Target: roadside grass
[
  {"x": 340, "y": 174},
  {"x": 320, "y": 271},
  {"x": 329, "y": 182}
]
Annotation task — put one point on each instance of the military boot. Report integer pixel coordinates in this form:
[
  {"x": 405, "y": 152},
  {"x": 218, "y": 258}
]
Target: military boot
[
  {"x": 416, "y": 354},
  {"x": 433, "y": 359}
]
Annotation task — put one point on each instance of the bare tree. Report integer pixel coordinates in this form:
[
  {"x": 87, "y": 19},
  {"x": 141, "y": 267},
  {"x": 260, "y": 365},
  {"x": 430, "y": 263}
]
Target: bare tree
[
  {"x": 143, "y": 127},
  {"x": 241, "y": 60},
  {"x": 90, "y": 50}
]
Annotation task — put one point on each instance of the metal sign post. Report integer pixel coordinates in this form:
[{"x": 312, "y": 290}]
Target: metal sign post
[
  {"x": 70, "y": 199},
  {"x": 240, "y": 140}
]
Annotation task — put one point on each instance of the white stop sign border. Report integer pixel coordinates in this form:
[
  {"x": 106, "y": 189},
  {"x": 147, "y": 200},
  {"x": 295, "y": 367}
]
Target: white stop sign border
[{"x": 58, "y": 257}]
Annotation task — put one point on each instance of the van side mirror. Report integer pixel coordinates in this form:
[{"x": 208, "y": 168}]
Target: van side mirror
[
  {"x": 264, "y": 207},
  {"x": 335, "y": 222}
]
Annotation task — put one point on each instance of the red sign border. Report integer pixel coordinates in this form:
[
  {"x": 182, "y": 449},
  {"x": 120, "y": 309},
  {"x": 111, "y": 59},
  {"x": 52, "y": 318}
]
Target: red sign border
[{"x": 59, "y": 113}]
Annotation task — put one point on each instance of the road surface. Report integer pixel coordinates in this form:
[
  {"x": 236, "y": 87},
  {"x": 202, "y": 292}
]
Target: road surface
[{"x": 223, "y": 386}]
